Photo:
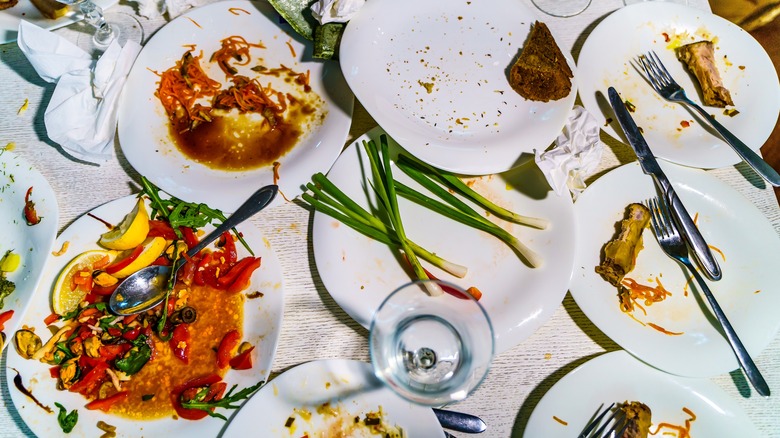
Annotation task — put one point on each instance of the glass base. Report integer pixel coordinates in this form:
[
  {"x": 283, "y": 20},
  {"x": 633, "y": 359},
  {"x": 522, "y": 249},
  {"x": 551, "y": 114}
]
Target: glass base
[
  {"x": 562, "y": 8},
  {"x": 124, "y": 27}
]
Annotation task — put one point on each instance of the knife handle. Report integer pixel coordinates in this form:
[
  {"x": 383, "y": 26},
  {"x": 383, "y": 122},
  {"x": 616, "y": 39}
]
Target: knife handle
[{"x": 701, "y": 251}]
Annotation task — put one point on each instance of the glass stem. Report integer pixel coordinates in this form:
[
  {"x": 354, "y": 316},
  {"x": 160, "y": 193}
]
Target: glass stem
[{"x": 93, "y": 14}]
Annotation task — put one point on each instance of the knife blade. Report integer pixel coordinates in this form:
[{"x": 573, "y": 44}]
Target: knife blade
[
  {"x": 650, "y": 166},
  {"x": 460, "y": 422}
]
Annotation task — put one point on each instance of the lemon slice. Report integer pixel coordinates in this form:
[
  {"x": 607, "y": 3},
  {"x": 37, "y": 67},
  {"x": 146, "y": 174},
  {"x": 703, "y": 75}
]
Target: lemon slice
[
  {"x": 153, "y": 247},
  {"x": 131, "y": 232},
  {"x": 64, "y": 299}
]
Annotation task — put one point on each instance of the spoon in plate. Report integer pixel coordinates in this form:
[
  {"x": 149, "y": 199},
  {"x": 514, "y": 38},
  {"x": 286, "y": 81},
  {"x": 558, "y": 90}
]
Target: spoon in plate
[{"x": 148, "y": 287}]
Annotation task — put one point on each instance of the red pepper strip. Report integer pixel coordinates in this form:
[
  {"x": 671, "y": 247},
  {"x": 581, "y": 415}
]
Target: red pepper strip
[
  {"x": 110, "y": 352},
  {"x": 131, "y": 334},
  {"x": 473, "y": 291},
  {"x": 229, "y": 248},
  {"x": 118, "y": 265},
  {"x": 54, "y": 372},
  {"x": 191, "y": 414},
  {"x": 245, "y": 277},
  {"x": 49, "y": 320},
  {"x": 226, "y": 346},
  {"x": 113, "y": 331},
  {"x": 5, "y": 316},
  {"x": 162, "y": 229},
  {"x": 105, "y": 404},
  {"x": 104, "y": 291},
  {"x": 129, "y": 318},
  {"x": 216, "y": 391},
  {"x": 243, "y": 361},
  {"x": 161, "y": 261},
  {"x": 92, "y": 378},
  {"x": 187, "y": 272},
  {"x": 30, "y": 215},
  {"x": 202, "y": 264},
  {"x": 180, "y": 343},
  {"x": 92, "y": 298},
  {"x": 102, "y": 262},
  {"x": 190, "y": 238},
  {"x": 227, "y": 278}
]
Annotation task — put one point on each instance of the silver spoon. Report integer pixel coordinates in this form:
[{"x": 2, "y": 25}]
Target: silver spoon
[{"x": 147, "y": 287}]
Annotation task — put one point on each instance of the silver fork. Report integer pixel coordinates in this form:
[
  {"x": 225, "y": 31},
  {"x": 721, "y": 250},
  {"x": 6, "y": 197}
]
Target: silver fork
[
  {"x": 612, "y": 427},
  {"x": 665, "y": 85},
  {"x": 672, "y": 244}
]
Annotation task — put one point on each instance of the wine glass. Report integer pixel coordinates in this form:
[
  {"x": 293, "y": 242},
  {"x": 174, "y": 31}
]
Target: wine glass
[
  {"x": 431, "y": 350},
  {"x": 562, "y": 8},
  {"x": 107, "y": 27}
]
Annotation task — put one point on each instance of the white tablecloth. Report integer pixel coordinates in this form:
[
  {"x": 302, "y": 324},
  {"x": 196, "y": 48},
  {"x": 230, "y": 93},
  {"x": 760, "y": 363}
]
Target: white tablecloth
[{"x": 314, "y": 326}]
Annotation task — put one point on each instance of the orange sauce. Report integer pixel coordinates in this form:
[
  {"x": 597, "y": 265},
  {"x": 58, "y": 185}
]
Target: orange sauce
[{"x": 218, "y": 313}]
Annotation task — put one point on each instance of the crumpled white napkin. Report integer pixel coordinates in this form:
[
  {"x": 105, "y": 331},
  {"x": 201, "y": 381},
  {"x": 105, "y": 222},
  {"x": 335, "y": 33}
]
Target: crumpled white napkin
[
  {"x": 156, "y": 8},
  {"x": 576, "y": 155},
  {"x": 82, "y": 113},
  {"x": 336, "y": 11}
]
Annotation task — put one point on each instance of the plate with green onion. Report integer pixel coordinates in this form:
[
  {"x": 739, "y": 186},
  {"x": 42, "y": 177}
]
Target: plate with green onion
[{"x": 521, "y": 269}]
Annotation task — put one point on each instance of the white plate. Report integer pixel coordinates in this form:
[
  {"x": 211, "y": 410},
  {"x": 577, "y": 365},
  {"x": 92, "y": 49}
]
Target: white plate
[
  {"x": 606, "y": 60},
  {"x": 360, "y": 272},
  {"x": 262, "y": 323},
  {"x": 348, "y": 385},
  {"x": 472, "y": 122},
  {"x": 25, "y": 10},
  {"x": 618, "y": 377},
  {"x": 728, "y": 222},
  {"x": 143, "y": 124},
  {"x": 32, "y": 243}
]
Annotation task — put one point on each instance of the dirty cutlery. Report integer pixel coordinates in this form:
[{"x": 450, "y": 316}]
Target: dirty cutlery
[
  {"x": 613, "y": 426},
  {"x": 651, "y": 167},
  {"x": 672, "y": 244},
  {"x": 460, "y": 422},
  {"x": 665, "y": 85}
]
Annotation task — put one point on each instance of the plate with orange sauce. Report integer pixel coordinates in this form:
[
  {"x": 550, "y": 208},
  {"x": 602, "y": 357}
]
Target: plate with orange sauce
[
  {"x": 679, "y": 334},
  {"x": 226, "y": 99},
  {"x": 255, "y": 312}
]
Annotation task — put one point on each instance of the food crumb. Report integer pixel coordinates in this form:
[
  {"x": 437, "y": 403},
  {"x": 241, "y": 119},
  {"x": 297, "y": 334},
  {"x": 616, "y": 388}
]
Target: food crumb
[
  {"x": 24, "y": 107},
  {"x": 62, "y": 250},
  {"x": 547, "y": 356},
  {"x": 560, "y": 421},
  {"x": 731, "y": 112}
]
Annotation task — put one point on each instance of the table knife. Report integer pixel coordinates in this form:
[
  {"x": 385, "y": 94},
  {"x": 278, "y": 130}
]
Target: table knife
[
  {"x": 459, "y": 421},
  {"x": 650, "y": 166}
]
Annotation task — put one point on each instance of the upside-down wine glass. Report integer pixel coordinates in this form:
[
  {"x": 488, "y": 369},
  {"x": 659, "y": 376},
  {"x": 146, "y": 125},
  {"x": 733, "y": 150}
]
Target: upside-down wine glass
[
  {"x": 108, "y": 27},
  {"x": 431, "y": 350},
  {"x": 562, "y": 8}
]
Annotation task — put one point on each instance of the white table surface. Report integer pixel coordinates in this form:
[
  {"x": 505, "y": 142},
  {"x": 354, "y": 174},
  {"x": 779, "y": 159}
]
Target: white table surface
[{"x": 314, "y": 326}]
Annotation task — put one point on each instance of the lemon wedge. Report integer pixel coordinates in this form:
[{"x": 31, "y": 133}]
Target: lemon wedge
[
  {"x": 131, "y": 232},
  {"x": 153, "y": 247},
  {"x": 65, "y": 298}
]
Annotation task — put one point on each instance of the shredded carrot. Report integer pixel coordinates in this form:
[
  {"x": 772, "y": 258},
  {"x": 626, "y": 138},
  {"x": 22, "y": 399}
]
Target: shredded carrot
[
  {"x": 292, "y": 50},
  {"x": 663, "y": 330},
  {"x": 235, "y": 11},
  {"x": 62, "y": 250},
  {"x": 182, "y": 86},
  {"x": 560, "y": 421},
  {"x": 194, "y": 22},
  {"x": 236, "y": 49},
  {"x": 276, "y": 172},
  {"x": 716, "y": 249},
  {"x": 637, "y": 291},
  {"x": 679, "y": 431}
]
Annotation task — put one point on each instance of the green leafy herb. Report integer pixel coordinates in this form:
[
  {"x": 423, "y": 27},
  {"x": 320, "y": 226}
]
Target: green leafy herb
[
  {"x": 327, "y": 38},
  {"x": 66, "y": 420},
  {"x": 135, "y": 358},
  {"x": 180, "y": 213},
  {"x": 227, "y": 402}
]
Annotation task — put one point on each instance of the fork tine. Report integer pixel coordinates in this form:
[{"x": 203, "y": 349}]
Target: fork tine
[
  {"x": 618, "y": 416},
  {"x": 595, "y": 422},
  {"x": 643, "y": 61},
  {"x": 661, "y": 66}
]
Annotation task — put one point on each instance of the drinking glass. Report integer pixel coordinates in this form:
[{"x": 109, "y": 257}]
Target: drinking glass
[
  {"x": 561, "y": 8},
  {"x": 431, "y": 350},
  {"x": 107, "y": 27}
]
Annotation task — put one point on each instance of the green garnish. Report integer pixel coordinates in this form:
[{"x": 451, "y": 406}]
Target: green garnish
[
  {"x": 298, "y": 15},
  {"x": 135, "y": 358},
  {"x": 227, "y": 402},
  {"x": 180, "y": 213},
  {"x": 66, "y": 420}
]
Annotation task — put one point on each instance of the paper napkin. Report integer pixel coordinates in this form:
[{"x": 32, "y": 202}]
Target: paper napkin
[
  {"x": 576, "y": 154},
  {"x": 335, "y": 11},
  {"x": 82, "y": 112}
]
